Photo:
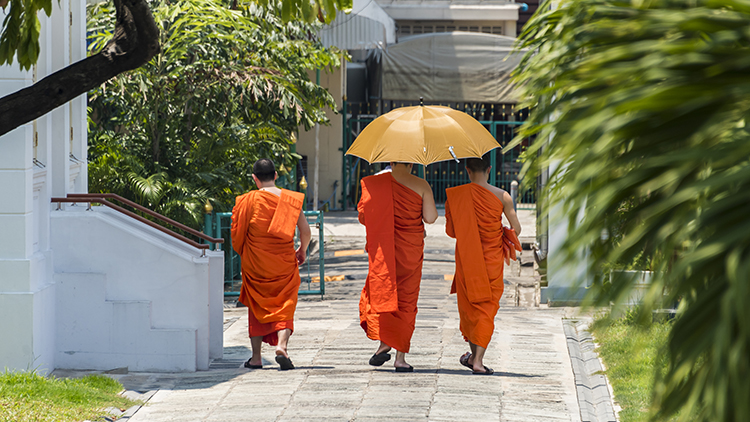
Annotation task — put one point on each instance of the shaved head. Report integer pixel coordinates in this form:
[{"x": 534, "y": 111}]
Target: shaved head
[
  {"x": 479, "y": 165},
  {"x": 264, "y": 170}
]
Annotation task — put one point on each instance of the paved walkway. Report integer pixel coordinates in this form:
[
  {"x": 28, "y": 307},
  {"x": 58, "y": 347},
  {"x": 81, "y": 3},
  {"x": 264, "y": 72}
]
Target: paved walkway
[{"x": 533, "y": 378}]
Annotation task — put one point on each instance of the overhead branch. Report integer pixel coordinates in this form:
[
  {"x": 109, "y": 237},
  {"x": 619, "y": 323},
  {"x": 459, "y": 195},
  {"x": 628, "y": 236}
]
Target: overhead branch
[{"x": 134, "y": 43}]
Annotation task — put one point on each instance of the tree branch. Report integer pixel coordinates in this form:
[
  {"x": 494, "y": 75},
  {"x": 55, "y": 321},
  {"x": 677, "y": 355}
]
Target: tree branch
[{"x": 134, "y": 43}]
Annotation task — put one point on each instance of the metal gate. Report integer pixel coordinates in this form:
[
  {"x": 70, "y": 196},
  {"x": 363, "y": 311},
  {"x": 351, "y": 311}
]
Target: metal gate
[
  {"x": 219, "y": 225},
  {"x": 501, "y": 120}
]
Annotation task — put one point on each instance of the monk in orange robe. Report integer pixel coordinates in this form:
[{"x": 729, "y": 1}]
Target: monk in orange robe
[
  {"x": 394, "y": 207},
  {"x": 473, "y": 214},
  {"x": 263, "y": 226}
]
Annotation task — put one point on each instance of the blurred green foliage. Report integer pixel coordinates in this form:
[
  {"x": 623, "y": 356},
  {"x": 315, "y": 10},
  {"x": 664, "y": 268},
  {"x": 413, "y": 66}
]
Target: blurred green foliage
[
  {"x": 20, "y": 30},
  {"x": 644, "y": 104},
  {"x": 230, "y": 86}
]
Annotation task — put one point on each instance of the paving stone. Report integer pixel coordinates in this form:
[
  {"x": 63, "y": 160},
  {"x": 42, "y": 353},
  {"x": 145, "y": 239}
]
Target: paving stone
[{"x": 533, "y": 378}]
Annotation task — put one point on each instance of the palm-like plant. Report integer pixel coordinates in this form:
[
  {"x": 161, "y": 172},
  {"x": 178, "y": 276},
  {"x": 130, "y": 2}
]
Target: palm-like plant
[
  {"x": 230, "y": 86},
  {"x": 647, "y": 103}
]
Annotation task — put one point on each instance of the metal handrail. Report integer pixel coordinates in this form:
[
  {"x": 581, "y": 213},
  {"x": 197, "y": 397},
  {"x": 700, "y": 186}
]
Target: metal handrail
[{"x": 101, "y": 198}]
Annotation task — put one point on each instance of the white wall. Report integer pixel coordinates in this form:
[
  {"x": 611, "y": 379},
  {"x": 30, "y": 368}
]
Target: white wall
[
  {"x": 567, "y": 281},
  {"x": 330, "y": 142}
]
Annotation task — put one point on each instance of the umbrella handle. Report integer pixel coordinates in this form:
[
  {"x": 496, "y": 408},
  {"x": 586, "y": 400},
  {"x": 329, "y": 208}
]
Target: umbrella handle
[{"x": 450, "y": 149}]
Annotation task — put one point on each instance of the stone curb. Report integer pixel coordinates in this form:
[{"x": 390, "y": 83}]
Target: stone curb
[
  {"x": 592, "y": 388},
  {"x": 115, "y": 414}
]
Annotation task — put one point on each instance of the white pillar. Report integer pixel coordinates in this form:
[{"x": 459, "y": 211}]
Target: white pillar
[
  {"x": 59, "y": 163},
  {"x": 33, "y": 157},
  {"x": 509, "y": 28},
  {"x": 16, "y": 293},
  {"x": 78, "y": 106},
  {"x": 567, "y": 280}
]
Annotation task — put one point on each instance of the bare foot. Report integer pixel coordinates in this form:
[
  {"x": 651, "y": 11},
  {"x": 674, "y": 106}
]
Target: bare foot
[
  {"x": 281, "y": 352},
  {"x": 401, "y": 363},
  {"x": 383, "y": 349},
  {"x": 483, "y": 370},
  {"x": 255, "y": 361}
]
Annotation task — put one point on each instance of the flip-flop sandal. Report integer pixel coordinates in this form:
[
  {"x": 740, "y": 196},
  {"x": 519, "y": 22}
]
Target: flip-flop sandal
[
  {"x": 464, "y": 360},
  {"x": 379, "y": 359},
  {"x": 487, "y": 371},
  {"x": 248, "y": 365},
  {"x": 284, "y": 362},
  {"x": 407, "y": 369}
]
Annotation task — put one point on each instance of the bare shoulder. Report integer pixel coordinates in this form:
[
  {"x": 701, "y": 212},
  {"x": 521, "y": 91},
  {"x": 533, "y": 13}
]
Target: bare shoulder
[
  {"x": 498, "y": 192},
  {"x": 503, "y": 196},
  {"x": 423, "y": 185},
  {"x": 417, "y": 184}
]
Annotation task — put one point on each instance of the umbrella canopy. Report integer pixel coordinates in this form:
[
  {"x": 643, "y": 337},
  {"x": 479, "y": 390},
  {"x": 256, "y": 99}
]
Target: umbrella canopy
[{"x": 422, "y": 135}]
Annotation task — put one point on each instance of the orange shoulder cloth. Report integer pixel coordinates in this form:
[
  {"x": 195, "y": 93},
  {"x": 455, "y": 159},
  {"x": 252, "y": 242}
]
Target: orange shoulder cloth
[
  {"x": 377, "y": 214},
  {"x": 286, "y": 215},
  {"x": 468, "y": 243}
]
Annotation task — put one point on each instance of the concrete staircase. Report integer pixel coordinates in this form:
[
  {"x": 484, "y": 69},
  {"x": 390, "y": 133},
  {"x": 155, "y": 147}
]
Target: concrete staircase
[
  {"x": 95, "y": 333},
  {"x": 128, "y": 295}
]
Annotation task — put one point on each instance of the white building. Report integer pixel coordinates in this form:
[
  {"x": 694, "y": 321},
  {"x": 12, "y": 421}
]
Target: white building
[
  {"x": 415, "y": 17},
  {"x": 89, "y": 289}
]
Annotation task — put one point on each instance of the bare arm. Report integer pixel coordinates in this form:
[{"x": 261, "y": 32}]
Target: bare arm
[
  {"x": 304, "y": 237},
  {"x": 510, "y": 213},
  {"x": 429, "y": 211}
]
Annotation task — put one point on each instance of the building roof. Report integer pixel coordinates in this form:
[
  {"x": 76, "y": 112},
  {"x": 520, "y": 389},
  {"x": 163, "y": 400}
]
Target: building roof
[{"x": 368, "y": 26}]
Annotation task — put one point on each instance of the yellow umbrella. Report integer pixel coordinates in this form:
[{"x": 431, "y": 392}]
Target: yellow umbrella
[{"x": 422, "y": 135}]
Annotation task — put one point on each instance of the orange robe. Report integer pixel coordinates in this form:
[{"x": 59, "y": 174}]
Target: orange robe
[
  {"x": 392, "y": 215},
  {"x": 263, "y": 227},
  {"x": 474, "y": 218}
]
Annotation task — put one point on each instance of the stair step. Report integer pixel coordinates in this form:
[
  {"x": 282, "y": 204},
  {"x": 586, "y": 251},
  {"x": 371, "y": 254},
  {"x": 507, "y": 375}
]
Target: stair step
[{"x": 120, "y": 336}]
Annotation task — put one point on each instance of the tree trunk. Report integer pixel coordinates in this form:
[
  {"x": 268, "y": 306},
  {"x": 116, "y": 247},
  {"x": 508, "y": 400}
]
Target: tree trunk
[{"x": 135, "y": 42}]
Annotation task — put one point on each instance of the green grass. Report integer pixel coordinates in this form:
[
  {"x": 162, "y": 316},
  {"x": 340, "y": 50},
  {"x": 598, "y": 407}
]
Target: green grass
[
  {"x": 631, "y": 354},
  {"x": 28, "y": 396}
]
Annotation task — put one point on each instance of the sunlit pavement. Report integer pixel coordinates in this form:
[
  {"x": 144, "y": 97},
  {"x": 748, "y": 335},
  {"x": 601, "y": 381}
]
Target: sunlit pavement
[{"x": 533, "y": 380}]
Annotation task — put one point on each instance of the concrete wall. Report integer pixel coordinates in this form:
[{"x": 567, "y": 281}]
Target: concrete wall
[
  {"x": 330, "y": 138},
  {"x": 567, "y": 280},
  {"x": 154, "y": 298}
]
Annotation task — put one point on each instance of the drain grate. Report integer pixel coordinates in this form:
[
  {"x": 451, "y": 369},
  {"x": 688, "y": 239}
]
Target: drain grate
[{"x": 226, "y": 364}]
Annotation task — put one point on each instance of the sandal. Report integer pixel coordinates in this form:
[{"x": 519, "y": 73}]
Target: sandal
[
  {"x": 284, "y": 362},
  {"x": 464, "y": 360},
  {"x": 379, "y": 359},
  {"x": 487, "y": 371},
  {"x": 248, "y": 365}
]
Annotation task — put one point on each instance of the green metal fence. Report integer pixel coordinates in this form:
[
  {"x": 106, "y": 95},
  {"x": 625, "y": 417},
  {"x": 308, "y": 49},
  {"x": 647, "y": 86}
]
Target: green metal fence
[
  {"x": 219, "y": 225},
  {"x": 502, "y": 123}
]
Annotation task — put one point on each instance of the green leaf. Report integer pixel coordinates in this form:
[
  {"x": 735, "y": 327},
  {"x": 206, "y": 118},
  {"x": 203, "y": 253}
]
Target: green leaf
[{"x": 642, "y": 106}]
